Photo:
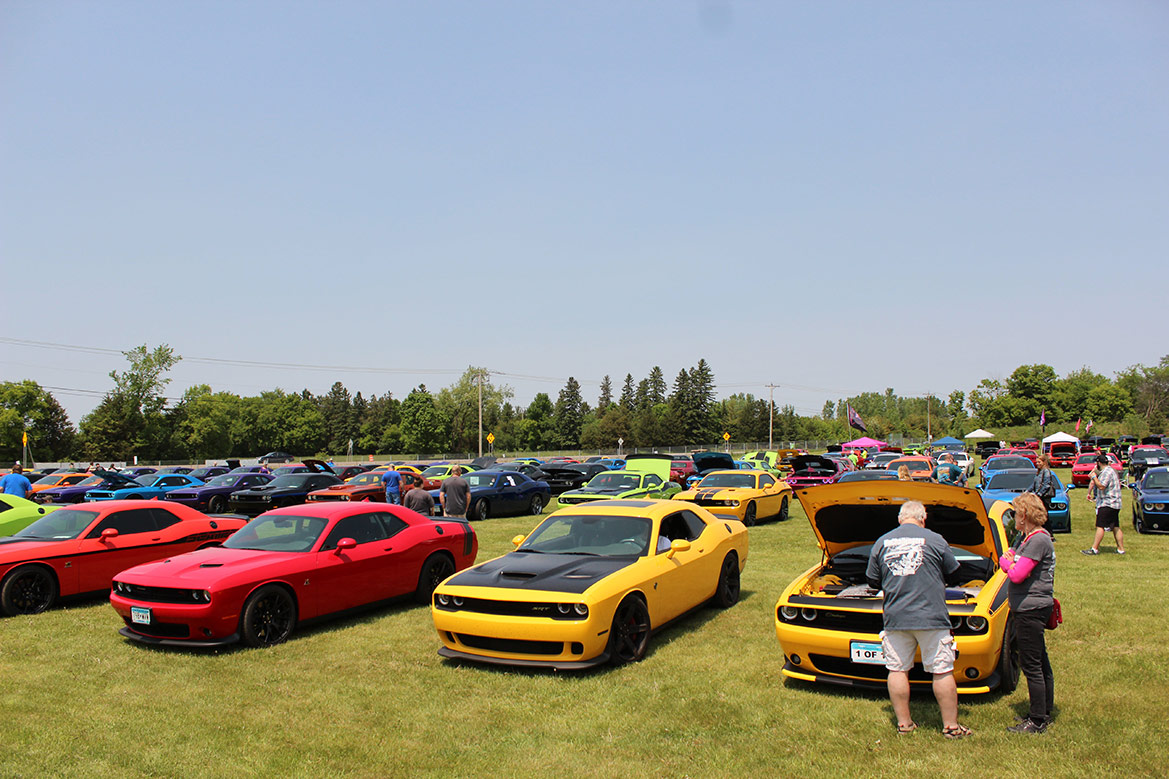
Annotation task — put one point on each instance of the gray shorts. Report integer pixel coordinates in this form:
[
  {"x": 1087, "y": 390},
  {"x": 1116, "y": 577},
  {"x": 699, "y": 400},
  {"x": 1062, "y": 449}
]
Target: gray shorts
[{"x": 937, "y": 649}]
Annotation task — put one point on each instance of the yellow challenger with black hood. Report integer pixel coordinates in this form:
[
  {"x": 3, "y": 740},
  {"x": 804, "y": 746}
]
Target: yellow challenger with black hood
[
  {"x": 828, "y": 621},
  {"x": 590, "y": 584}
]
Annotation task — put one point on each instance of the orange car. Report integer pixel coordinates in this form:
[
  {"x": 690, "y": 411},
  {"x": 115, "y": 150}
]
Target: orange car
[
  {"x": 921, "y": 468},
  {"x": 58, "y": 480},
  {"x": 367, "y": 486}
]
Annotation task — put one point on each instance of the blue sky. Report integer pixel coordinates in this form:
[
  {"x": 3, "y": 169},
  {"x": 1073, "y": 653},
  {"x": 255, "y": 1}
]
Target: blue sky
[{"x": 831, "y": 197}]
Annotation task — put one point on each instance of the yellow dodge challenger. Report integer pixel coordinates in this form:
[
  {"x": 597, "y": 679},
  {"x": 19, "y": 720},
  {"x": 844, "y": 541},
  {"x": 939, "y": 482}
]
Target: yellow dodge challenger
[
  {"x": 590, "y": 584},
  {"x": 749, "y": 496},
  {"x": 828, "y": 621}
]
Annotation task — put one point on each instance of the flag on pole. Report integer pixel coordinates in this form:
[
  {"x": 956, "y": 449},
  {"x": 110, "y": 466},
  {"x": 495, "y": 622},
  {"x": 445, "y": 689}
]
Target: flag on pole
[
  {"x": 1089, "y": 427},
  {"x": 1078, "y": 421},
  {"x": 854, "y": 420},
  {"x": 1043, "y": 417}
]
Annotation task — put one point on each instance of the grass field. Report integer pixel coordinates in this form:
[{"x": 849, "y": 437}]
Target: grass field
[{"x": 369, "y": 696}]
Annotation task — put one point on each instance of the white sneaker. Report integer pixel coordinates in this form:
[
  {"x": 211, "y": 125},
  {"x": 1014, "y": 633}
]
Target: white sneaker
[{"x": 1120, "y": 551}]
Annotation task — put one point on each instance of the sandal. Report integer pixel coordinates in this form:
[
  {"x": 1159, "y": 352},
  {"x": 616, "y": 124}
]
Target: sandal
[
  {"x": 958, "y": 731},
  {"x": 903, "y": 729}
]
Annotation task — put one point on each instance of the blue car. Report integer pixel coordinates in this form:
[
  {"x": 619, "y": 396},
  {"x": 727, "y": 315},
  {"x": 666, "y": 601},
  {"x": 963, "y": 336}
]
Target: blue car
[
  {"x": 1004, "y": 462},
  {"x": 152, "y": 485},
  {"x": 1150, "y": 501},
  {"x": 1009, "y": 484},
  {"x": 503, "y": 493}
]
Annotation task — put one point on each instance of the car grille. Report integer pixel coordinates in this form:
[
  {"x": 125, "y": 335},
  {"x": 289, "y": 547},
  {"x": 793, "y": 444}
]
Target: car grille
[
  {"x": 852, "y": 621},
  {"x": 99, "y": 494},
  {"x": 842, "y": 666},
  {"x": 511, "y": 645},
  {"x": 712, "y": 502},
  {"x": 156, "y": 594},
  {"x": 160, "y": 629},
  {"x": 510, "y": 608},
  {"x": 330, "y": 496}
]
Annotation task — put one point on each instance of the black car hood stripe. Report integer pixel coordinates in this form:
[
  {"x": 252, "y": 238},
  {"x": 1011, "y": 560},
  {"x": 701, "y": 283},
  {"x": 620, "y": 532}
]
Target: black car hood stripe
[{"x": 534, "y": 571}]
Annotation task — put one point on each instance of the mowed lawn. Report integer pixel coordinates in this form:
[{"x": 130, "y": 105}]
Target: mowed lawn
[{"x": 369, "y": 696}]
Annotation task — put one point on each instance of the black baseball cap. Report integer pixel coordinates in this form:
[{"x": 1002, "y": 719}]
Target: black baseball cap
[{"x": 1102, "y": 459}]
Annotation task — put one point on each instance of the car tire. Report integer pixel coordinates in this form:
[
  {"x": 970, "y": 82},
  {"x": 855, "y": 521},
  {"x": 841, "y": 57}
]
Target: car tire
[
  {"x": 783, "y": 510},
  {"x": 536, "y": 507},
  {"x": 629, "y": 634},
  {"x": 436, "y": 568},
  {"x": 749, "y": 514},
  {"x": 1137, "y": 525},
  {"x": 217, "y": 504},
  {"x": 1009, "y": 660},
  {"x": 726, "y": 593},
  {"x": 30, "y": 589},
  {"x": 268, "y": 616},
  {"x": 482, "y": 510}
]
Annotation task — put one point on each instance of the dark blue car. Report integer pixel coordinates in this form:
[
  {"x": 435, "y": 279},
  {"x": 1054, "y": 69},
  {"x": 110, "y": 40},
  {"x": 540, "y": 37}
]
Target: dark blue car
[
  {"x": 503, "y": 493},
  {"x": 1150, "y": 501}
]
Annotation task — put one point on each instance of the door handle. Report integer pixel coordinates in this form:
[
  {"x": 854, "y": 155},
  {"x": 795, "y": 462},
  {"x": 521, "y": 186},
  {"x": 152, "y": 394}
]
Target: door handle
[
  {"x": 388, "y": 549},
  {"x": 156, "y": 538}
]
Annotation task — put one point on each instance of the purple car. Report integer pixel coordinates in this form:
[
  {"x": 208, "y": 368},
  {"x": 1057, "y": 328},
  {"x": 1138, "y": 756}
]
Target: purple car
[
  {"x": 212, "y": 496},
  {"x": 75, "y": 493},
  {"x": 810, "y": 470}
]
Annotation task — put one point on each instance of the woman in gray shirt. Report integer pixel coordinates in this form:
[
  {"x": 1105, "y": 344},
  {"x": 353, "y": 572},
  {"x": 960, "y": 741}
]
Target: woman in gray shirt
[{"x": 1030, "y": 567}]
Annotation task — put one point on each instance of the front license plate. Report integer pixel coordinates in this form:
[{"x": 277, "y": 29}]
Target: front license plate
[
  {"x": 866, "y": 652},
  {"x": 139, "y": 615}
]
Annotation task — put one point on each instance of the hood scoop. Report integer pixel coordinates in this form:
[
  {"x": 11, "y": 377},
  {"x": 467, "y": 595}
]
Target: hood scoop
[
  {"x": 211, "y": 565},
  {"x": 517, "y": 574}
]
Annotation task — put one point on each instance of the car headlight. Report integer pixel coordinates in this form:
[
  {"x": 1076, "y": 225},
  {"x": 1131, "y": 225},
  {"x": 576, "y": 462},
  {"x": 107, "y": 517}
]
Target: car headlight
[
  {"x": 976, "y": 624},
  {"x": 581, "y": 609},
  {"x": 457, "y": 601},
  {"x": 789, "y": 613},
  {"x": 808, "y": 614},
  {"x": 443, "y": 599},
  {"x": 1059, "y": 506},
  {"x": 733, "y": 503},
  {"x": 955, "y": 622}
]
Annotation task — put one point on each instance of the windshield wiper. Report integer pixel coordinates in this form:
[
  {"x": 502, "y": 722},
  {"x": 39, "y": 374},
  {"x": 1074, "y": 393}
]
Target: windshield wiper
[
  {"x": 533, "y": 551},
  {"x": 590, "y": 554}
]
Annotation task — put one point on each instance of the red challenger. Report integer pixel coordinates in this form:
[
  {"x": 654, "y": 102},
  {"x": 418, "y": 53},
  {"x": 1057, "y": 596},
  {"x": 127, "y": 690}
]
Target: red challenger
[
  {"x": 289, "y": 566},
  {"x": 77, "y": 550}
]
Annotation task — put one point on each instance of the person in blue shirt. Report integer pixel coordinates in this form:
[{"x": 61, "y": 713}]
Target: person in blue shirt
[
  {"x": 392, "y": 482},
  {"x": 16, "y": 483},
  {"x": 948, "y": 471}
]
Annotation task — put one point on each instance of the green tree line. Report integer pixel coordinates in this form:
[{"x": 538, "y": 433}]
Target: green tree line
[{"x": 135, "y": 419}]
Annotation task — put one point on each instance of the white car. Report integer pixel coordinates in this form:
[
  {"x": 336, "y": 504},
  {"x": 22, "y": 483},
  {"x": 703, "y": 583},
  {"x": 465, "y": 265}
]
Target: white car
[{"x": 964, "y": 461}]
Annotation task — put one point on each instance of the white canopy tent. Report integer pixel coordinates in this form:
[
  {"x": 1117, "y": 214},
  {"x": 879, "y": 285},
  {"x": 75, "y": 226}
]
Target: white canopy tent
[
  {"x": 1061, "y": 437},
  {"x": 979, "y": 433}
]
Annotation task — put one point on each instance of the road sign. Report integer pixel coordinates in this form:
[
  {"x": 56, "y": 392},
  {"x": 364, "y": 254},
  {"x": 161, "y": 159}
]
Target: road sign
[
  {"x": 726, "y": 436},
  {"x": 491, "y": 438},
  {"x": 620, "y": 441}
]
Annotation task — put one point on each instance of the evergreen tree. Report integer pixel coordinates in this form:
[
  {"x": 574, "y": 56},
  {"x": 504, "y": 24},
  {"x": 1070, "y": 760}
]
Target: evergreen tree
[
  {"x": 628, "y": 394},
  {"x": 657, "y": 386},
  {"x": 606, "y": 398},
  {"x": 569, "y": 415}
]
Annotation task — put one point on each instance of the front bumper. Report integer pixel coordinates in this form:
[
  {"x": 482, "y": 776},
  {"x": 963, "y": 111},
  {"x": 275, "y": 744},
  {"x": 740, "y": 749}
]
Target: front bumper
[
  {"x": 189, "y": 643},
  {"x": 179, "y": 624},
  {"x": 524, "y": 641}
]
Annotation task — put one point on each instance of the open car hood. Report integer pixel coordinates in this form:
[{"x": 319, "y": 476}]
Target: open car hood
[
  {"x": 858, "y": 513},
  {"x": 318, "y": 466},
  {"x": 482, "y": 463},
  {"x": 806, "y": 462},
  {"x": 119, "y": 480},
  {"x": 657, "y": 464},
  {"x": 713, "y": 461}
]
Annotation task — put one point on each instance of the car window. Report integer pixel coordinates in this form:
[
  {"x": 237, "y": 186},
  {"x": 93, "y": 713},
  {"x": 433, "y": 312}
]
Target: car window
[
  {"x": 677, "y": 526},
  {"x": 391, "y": 523},
  {"x": 171, "y": 481},
  {"x": 766, "y": 481},
  {"x": 362, "y": 528},
  {"x": 653, "y": 480},
  {"x": 163, "y": 518},
  {"x": 127, "y": 522}
]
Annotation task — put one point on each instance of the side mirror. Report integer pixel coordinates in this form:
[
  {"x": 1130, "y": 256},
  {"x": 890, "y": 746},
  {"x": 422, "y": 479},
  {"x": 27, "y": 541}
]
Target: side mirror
[
  {"x": 1069, "y": 487},
  {"x": 518, "y": 540},
  {"x": 678, "y": 545},
  {"x": 344, "y": 544},
  {"x": 108, "y": 533}
]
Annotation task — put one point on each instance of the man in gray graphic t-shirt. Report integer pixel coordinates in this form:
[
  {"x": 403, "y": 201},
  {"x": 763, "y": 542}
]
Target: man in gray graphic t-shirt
[{"x": 910, "y": 565}]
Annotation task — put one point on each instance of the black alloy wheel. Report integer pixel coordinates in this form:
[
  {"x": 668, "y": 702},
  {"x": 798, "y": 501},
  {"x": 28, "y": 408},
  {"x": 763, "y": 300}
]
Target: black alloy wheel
[
  {"x": 749, "y": 514},
  {"x": 1009, "y": 660},
  {"x": 268, "y": 616},
  {"x": 436, "y": 568},
  {"x": 629, "y": 635},
  {"x": 726, "y": 593},
  {"x": 783, "y": 510},
  {"x": 28, "y": 590},
  {"x": 482, "y": 510},
  {"x": 217, "y": 504},
  {"x": 536, "y": 507}
]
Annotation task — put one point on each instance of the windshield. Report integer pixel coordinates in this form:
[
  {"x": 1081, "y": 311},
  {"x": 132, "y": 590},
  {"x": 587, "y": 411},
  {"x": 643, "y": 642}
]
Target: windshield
[
  {"x": 728, "y": 480},
  {"x": 147, "y": 479},
  {"x": 1088, "y": 459},
  {"x": 605, "y": 536},
  {"x": 1006, "y": 463},
  {"x": 614, "y": 481},
  {"x": 278, "y": 533},
  {"x": 482, "y": 479},
  {"x": 366, "y": 478},
  {"x": 62, "y": 524},
  {"x": 913, "y": 465},
  {"x": 435, "y": 470},
  {"x": 1148, "y": 454},
  {"x": 226, "y": 480},
  {"x": 1011, "y": 481},
  {"x": 1157, "y": 480}
]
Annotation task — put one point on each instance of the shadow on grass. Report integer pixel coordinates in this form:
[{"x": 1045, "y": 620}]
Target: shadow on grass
[
  {"x": 362, "y": 615},
  {"x": 680, "y": 627}
]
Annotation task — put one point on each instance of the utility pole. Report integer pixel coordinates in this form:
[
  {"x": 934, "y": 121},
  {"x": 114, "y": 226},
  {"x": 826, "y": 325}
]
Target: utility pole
[
  {"x": 770, "y": 412},
  {"x": 481, "y": 371}
]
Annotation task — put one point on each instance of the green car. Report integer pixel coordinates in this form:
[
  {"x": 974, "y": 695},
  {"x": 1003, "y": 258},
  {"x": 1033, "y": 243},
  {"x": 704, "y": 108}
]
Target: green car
[
  {"x": 645, "y": 476},
  {"x": 17, "y": 513},
  {"x": 441, "y": 472}
]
